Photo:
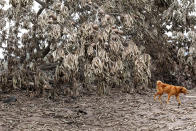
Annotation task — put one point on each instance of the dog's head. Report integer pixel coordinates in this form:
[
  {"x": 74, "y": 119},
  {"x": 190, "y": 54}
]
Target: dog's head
[{"x": 183, "y": 90}]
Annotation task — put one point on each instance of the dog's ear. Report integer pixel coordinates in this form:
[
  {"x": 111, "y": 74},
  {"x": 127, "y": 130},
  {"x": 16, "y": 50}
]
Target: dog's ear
[{"x": 181, "y": 89}]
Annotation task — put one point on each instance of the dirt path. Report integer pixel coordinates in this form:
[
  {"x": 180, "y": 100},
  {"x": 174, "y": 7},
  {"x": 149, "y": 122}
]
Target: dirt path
[{"x": 117, "y": 112}]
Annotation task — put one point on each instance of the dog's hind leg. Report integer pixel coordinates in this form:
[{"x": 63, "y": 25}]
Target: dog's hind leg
[
  {"x": 160, "y": 98},
  {"x": 155, "y": 95},
  {"x": 168, "y": 98}
]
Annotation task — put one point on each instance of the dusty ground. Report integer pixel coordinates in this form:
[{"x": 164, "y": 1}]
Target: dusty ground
[{"x": 117, "y": 112}]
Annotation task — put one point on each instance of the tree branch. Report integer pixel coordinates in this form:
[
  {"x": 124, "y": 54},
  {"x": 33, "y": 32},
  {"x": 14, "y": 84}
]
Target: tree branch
[
  {"x": 46, "y": 50},
  {"x": 40, "y": 11},
  {"x": 41, "y": 3}
]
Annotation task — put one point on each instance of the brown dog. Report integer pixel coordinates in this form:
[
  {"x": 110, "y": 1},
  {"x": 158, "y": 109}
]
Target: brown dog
[{"x": 170, "y": 90}]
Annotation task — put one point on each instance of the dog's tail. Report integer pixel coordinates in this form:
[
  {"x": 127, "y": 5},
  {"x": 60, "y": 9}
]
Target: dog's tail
[{"x": 159, "y": 82}]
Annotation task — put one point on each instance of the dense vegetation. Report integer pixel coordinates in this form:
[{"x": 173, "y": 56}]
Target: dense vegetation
[{"x": 74, "y": 45}]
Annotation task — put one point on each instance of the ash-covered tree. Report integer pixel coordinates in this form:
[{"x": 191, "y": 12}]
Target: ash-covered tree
[{"x": 87, "y": 43}]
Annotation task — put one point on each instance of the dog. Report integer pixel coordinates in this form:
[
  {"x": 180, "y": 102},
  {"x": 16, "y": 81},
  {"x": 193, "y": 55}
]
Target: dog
[{"x": 170, "y": 90}]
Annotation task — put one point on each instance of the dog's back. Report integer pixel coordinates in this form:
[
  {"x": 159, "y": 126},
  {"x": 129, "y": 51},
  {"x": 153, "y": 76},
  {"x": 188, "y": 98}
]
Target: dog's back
[{"x": 163, "y": 87}]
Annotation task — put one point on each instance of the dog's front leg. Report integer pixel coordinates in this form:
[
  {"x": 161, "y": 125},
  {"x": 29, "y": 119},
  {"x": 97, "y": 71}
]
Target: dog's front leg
[{"x": 178, "y": 99}]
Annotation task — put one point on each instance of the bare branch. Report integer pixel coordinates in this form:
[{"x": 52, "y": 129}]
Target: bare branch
[
  {"x": 48, "y": 66},
  {"x": 40, "y": 11},
  {"x": 41, "y": 3}
]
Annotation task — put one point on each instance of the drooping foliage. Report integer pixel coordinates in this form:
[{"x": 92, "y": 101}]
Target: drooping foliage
[{"x": 87, "y": 43}]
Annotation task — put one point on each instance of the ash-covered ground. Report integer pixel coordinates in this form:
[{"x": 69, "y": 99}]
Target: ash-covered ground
[{"x": 114, "y": 112}]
